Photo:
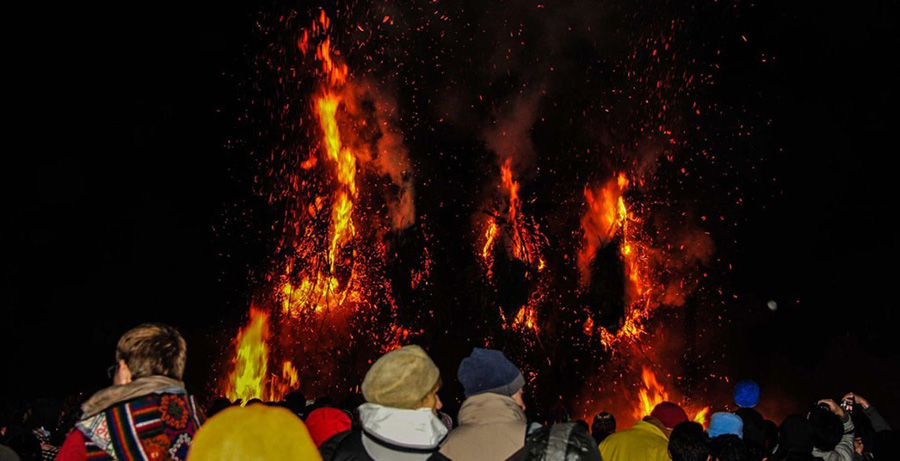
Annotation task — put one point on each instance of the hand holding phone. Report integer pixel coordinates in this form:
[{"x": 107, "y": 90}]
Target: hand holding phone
[{"x": 848, "y": 402}]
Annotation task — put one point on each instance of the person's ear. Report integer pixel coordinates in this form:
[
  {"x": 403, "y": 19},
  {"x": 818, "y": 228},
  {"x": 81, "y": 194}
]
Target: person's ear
[
  {"x": 518, "y": 397},
  {"x": 123, "y": 373}
]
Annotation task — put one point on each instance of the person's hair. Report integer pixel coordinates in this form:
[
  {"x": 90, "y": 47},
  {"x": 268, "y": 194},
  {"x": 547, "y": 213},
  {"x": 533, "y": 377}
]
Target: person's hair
[
  {"x": 827, "y": 428},
  {"x": 604, "y": 424},
  {"x": 153, "y": 349},
  {"x": 688, "y": 442},
  {"x": 729, "y": 447},
  {"x": 296, "y": 402}
]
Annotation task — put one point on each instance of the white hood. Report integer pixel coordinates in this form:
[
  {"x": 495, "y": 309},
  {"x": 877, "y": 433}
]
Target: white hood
[{"x": 409, "y": 428}]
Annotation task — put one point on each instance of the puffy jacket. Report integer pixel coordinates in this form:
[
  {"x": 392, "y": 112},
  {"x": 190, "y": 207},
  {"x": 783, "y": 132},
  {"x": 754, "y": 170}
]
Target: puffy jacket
[
  {"x": 643, "y": 442},
  {"x": 392, "y": 434},
  {"x": 491, "y": 427}
]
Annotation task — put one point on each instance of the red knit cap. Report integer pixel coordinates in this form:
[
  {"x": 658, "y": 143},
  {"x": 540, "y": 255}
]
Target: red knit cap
[
  {"x": 669, "y": 414},
  {"x": 323, "y": 423}
]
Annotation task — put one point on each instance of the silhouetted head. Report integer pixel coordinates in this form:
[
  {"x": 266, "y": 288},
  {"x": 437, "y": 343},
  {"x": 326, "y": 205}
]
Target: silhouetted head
[
  {"x": 796, "y": 435},
  {"x": 729, "y": 447},
  {"x": 827, "y": 428},
  {"x": 604, "y": 424},
  {"x": 689, "y": 442},
  {"x": 295, "y": 401},
  {"x": 217, "y": 405}
]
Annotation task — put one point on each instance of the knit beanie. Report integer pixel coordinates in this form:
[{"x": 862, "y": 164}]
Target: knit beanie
[
  {"x": 253, "y": 433},
  {"x": 401, "y": 378},
  {"x": 746, "y": 393},
  {"x": 323, "y": 423},
  {"x": 669, "y": 414},
  {"x": 725, "y": 423},
  {"x": 488, "y": 370}
]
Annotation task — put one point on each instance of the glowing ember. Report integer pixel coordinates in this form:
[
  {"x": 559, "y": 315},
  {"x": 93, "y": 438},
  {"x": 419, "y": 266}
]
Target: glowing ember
[
  {"x": 489, "y": 235},
  {"x": 526, "y": 318},
  {"x": 330, "y": 261},
  {"x": 338, "y": 183}
]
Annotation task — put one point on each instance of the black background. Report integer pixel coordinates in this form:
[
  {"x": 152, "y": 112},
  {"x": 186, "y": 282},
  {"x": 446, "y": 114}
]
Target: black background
[{"x": 115, "y": 176}]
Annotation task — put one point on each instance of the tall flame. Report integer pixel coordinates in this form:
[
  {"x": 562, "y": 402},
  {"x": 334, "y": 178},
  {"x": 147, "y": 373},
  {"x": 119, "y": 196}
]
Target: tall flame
[
  {"x": 345, "y": 168},
  {"x": 606, "y": 218},
  {"x": 251, "y": 377},
  {"x": 525, "y": 241},
  {"x": 525, "y": 238},
  {"x": 251, "y": 359},
  {"x": 330, "y": 261}
]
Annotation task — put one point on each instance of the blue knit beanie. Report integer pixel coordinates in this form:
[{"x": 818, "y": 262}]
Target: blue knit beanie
[
  {"x": 725, "y": 423},
  {"x": 488, "y": 370},
  {"x": 746, "y": 394}
]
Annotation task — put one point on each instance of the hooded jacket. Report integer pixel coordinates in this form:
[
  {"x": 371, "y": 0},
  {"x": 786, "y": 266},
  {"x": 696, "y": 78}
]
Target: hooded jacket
[
  {"x": 393, "y": 434},
  {"x": 844, "y": 449},
  {"x": 491, "y": 427},
  {"x": 644, "y": 441},
  {"x": 146, "y": 419}
]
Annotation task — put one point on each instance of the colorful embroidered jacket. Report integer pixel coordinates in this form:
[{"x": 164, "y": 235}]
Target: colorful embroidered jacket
[{"x": 151, "y": 427}]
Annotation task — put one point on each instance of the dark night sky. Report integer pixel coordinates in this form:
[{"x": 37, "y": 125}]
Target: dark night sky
[{"x": 116, "y": 176}]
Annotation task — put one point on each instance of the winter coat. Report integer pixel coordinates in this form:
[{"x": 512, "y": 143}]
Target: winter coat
[
  {"x": 392, "y": 434},
  {"x": 491, "y": 427},
  {"x": 645, "y": 441},
  {"x": 562, "y": 441},
  {"x": 121, "y": 425},
  {"x": 844, "y": 449}
]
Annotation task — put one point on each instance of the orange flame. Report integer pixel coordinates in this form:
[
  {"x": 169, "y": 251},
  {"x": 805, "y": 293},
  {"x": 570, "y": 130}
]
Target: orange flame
[
  {"x": 653, "y": 393},
  {"x": 322, "y": 281},
  {"x": 489, "y": 235},
  {"x": 607, "y": 217},
  {"x": 250, "y": 378},
  {"x": 251, "y": 359},
  {"x": 345, "y": 168},
  {"x": 524, "y": 240},
  {"x": 700, "y": 416}
]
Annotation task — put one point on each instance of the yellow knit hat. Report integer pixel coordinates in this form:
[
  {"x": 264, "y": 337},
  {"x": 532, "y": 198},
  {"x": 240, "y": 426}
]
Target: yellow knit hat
[
  {"x": 401, "y": 378},
  {"x": 253, "y": 433}
]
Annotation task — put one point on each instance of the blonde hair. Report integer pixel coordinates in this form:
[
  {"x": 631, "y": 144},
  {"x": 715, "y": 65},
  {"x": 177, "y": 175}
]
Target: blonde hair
[{"x": 153, "y": 349}]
